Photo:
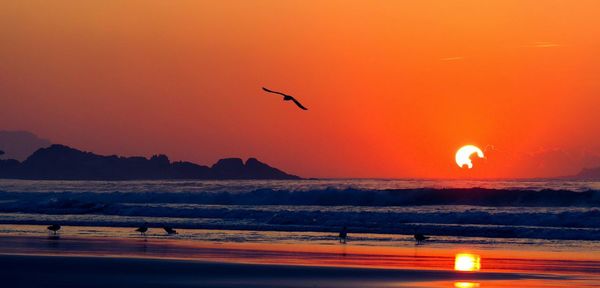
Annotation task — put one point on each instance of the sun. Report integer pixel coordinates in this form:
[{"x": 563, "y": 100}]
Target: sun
[{"x": 463, "y": 155}]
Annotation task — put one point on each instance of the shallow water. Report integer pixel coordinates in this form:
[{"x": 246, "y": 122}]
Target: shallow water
[
  {"x": 583, "y": 249},
  {"x": 501, "y": 262}
]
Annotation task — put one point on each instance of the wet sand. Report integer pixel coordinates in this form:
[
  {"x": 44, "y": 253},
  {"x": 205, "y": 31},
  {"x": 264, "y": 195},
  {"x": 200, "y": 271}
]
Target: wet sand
[
  {"x": 90, "y": 261},
  {"x": 80, "y": 271}
]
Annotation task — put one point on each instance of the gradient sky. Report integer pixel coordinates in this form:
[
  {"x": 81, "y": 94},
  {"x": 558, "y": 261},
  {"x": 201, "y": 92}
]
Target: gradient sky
[{"x": 394, "y": 88}]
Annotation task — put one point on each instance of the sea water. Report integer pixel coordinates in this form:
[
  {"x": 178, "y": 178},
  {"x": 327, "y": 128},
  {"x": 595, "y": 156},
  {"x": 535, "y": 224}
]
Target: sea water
[{"x": 510, "y": 209}]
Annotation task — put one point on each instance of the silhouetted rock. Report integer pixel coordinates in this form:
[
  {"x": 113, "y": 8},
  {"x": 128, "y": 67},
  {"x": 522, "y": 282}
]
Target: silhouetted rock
[
  {"x": 188, "y": 170},
  {"x": 64, "y": 163},
  {"x": 20, "y": 144},
  {"x": 258, "y": 170},
  {"x": 234, "y": 168},
  {"x": 229, "y": 168},
  {"x": 9, "y": 168}
]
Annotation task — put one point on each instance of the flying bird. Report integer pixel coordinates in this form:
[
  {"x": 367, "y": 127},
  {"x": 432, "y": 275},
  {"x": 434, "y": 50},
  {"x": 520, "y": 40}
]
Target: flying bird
[{"x": 286, "y": 98}]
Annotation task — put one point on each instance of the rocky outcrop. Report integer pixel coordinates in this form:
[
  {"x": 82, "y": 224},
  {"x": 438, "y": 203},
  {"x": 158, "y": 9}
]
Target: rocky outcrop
[
  {"x": 235, "y": 168},
  {"x": 59, "y": 162}
]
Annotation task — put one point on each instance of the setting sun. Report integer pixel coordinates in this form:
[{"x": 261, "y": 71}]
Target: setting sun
[{"x": 463, "y": 155}]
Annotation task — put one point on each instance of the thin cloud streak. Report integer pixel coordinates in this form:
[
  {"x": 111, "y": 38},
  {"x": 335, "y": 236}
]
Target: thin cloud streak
[
  {"x": 452, "y": 58},
  {"x": 544, "y": 45}
]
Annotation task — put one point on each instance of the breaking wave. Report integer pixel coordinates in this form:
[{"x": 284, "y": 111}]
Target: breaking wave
[{"x": 546, "y": 214}]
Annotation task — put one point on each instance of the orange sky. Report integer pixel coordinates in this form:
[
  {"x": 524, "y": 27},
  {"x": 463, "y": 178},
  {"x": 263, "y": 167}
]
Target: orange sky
[{"x": 394, "y": 88}]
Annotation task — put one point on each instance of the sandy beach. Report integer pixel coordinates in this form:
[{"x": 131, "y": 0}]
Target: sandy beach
[{"x": 76, "y": 260}]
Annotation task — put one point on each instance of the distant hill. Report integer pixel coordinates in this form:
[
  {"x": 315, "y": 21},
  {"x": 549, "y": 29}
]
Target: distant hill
[
  {"x": 587, "y": 174},
  {"x": 59, "y": 162},
  {"x": 20, "y": 144}
]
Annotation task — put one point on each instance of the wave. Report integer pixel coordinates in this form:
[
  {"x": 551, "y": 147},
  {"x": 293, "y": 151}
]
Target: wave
[
  {"x": 546, "y": 214},
  {"x": 337, "y": 197}
]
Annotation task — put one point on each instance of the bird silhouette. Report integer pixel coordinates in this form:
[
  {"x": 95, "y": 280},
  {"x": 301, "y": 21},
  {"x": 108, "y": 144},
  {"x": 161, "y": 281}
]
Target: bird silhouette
[
  {"x": 54, "y": 228},
  {"x": 420, "y": 237},
  {"x": 286, "y": 98},
  {"x": 170, "y": 230},
  {"x": 343, "y": 235},
  {"x": 1, "y": 152},
  {"x": 142, "y": 229}
]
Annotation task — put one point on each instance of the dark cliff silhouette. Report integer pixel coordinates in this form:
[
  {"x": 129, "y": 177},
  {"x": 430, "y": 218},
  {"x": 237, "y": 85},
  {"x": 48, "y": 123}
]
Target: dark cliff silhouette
[{"x": 59, "y": 162}]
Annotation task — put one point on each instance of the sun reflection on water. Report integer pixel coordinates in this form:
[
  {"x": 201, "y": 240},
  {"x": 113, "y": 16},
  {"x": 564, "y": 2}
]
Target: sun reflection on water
[
  {"x": 467, "y": 262},
  {"x": 465, "y": 284}
]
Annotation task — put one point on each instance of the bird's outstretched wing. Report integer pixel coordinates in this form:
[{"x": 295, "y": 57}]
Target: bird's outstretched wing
[
  {"x": 286, "y": 97},
  {"x": 271, "y": 91},
  {"x": 298, "y": 104}
]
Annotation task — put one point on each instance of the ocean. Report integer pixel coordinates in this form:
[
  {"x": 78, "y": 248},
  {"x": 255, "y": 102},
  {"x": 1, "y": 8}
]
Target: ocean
[{"x": 451, "y": 210}]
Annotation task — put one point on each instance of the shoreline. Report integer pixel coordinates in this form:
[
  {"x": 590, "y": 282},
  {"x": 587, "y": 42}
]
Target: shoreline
[
  {"x": 297, "y": 247},
  {"x": 492, "y": 231},
  {"x": 225, "y": 261}
]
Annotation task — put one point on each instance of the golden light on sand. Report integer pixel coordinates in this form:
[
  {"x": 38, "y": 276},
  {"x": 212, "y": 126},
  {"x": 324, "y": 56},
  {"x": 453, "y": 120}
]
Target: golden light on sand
[
  {"x": 463, "y": 155},
  {"x": 465, "y": 284},
  {"x": 467, "y": 262}
]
